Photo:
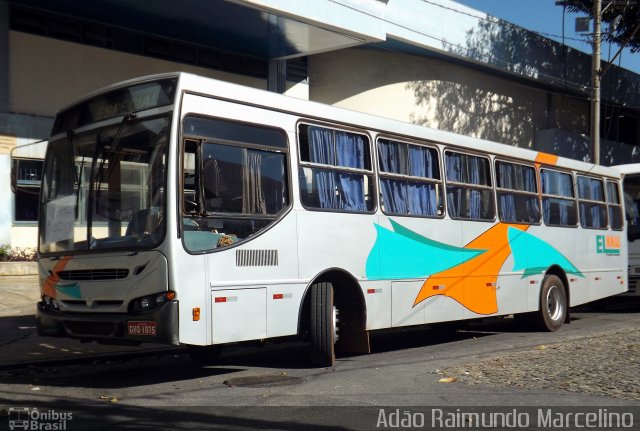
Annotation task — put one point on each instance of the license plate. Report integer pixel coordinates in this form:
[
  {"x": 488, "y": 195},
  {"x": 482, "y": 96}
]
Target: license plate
[{"x": 141, "y": 327}]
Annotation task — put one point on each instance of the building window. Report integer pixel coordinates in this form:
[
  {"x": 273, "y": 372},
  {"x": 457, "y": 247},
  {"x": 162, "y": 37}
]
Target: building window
[{"x": 28, "y": 176}]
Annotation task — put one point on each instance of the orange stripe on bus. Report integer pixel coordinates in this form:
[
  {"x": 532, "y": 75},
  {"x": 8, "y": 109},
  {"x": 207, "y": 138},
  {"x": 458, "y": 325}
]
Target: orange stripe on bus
[{"x": 547, "y": 159}]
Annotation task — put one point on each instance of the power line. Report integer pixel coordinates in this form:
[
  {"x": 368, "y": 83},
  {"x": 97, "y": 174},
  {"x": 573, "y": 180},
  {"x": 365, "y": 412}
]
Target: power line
[{"x": 496, "y": 20}]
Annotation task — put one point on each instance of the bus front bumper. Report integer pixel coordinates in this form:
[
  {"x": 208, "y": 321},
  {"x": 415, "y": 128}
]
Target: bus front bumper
[{"x": 156, "y": 326}]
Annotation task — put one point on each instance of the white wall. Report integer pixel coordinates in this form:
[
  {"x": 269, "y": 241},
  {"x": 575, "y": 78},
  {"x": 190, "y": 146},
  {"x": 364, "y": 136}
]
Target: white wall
[{"x": 6, "y": 200}]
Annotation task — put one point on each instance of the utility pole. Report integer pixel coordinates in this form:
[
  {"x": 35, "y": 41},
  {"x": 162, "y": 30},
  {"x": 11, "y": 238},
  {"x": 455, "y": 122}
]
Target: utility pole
[{"x": 595, "y": 81}]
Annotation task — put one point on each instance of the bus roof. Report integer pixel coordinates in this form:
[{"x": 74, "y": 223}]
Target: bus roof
[
  {"x": 632, "y": 168},
  {"x": 210, "y": 87}
]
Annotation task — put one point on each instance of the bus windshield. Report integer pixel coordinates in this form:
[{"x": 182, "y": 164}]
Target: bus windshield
[{"x": 105, "y": 189}]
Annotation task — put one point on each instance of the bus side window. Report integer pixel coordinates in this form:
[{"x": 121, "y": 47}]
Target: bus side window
[
  {"x": 593, "y": 209},
  {"x": 559, "y": 206},
  {"x": 615, "y": 205},
  {"x": 469, "y": 188},
  {"x": 517, "y": 193}
]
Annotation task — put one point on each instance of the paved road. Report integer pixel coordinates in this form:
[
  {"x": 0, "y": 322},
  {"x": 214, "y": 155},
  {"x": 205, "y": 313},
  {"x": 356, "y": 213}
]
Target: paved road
[{"x": 141, "y": 387}]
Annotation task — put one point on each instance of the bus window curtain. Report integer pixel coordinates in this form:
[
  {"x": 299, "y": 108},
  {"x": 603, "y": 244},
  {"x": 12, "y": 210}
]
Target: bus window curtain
[
  {"x": 321, "y": 150},
  {"x": 253, "y": 201},
  {"x": 422, "y": 197},
  {"x": 454, "y": 194},
  {"x": 564, "y": 212},
  {"x": 475, "y": 197},
  {"x": 557, "y": 211},
  {"x": 349, "y": 150},
  {"x": 350, "y": 153},
  {"x": 393, "y": 191},
  {"x": 351, "y": 192},
  {"x": 455, "y": 201},
  {"x": 506, "y": 202},
  {"x": 393, "y": 196},
  {"x": 598, "y": 217}
]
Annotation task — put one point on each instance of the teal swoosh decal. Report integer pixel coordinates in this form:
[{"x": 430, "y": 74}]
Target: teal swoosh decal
[
  {"x": 71, "y": 290},
  {"x": 403, "y": 253},
  {"x": 533, "y": 255}
]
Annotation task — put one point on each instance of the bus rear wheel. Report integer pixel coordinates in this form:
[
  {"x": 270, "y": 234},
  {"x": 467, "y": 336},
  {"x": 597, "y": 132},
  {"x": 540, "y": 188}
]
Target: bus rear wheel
[
  {"x": 553, "y": 304},
  {"x": 322, "y": 325}
]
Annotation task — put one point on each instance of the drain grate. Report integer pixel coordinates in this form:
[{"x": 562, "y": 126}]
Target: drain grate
[{"x": 264, "y": 381}]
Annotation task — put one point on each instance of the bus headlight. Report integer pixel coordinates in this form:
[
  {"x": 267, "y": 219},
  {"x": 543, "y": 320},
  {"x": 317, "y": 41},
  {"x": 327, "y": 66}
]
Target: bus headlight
[{"x": 149, "y": 302}]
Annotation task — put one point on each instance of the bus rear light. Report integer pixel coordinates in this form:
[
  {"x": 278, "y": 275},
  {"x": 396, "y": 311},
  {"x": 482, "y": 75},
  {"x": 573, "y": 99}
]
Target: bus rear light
[
  {"x": 278, "y": 296},
  {"x": 195, "y": 313}
]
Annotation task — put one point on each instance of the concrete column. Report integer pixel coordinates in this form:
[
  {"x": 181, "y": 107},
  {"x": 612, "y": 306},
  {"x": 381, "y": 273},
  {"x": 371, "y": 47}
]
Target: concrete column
[
  {"x": 4, "y": 56},
  {"x": 277, "y": 76}
]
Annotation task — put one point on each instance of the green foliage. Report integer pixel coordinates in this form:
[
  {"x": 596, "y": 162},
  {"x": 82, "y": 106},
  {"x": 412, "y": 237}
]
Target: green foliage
[
  {"x": 628, "y": 27},
  {"x": 9, "y": 254}
]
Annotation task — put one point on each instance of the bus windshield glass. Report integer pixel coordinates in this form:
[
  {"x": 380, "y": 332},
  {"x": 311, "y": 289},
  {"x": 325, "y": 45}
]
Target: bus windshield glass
[{"x": 105, "y": 188}]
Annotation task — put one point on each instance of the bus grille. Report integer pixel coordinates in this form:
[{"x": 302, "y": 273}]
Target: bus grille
[
  {"x": 256, "y": 257},
  {"x": 94, "y": 274},
  {"x": 90, "y": 328}
]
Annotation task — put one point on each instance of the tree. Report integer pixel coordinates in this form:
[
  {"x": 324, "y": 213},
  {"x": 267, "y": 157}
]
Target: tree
[{"x": 624, "y": 13}]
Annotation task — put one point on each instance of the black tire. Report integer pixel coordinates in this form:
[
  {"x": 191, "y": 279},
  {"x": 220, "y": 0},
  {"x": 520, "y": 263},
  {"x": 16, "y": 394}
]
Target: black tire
[
  {"x": 204, "y": 355},
  {"x": 553, "y": 305},
  {"x": 321, "y": 325}
]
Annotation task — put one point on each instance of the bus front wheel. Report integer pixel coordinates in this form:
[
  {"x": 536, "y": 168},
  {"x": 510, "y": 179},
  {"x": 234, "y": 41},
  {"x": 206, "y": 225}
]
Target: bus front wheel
[
  {"x": 553, "y": 304},
  {"x": 322, "y": 325}
]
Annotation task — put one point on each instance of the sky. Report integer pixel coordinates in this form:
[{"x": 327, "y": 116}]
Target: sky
[{"x": 544, "y": 16}]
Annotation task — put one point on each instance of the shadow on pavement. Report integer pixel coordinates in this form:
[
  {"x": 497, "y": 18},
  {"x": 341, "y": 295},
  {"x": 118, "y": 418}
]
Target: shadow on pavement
[{"x": 123, "y": 417}]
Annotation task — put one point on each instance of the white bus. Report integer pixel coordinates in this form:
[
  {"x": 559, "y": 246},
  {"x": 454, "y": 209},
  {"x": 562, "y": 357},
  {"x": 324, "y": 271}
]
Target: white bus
[
  {"x": 631, "y": 193},
  {"x": 183, "y": 210}
]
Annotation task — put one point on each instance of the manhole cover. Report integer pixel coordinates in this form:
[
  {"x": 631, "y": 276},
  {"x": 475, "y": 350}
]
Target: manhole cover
[{"x": 264, "y": 381}]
